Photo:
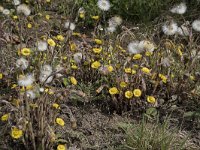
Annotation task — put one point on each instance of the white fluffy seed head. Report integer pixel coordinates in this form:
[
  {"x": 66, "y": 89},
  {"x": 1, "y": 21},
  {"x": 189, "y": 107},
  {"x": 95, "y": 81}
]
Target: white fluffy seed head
[
  {"x": 6, "y": 12},
  {"x": 58, "y": 68},
  {"x": 26, "y": 80},
  {"x": 42, "y": 45},
  {"x": 115, "y": 21},
  {"x": 111, "y": 29},
  {"x": 170, "y": 28},
  {"x": 41, "y": 89},
  {"x": 22, "y": 63},
  {"x": 179, "y": 9},
  {"x": 24, "y": 9},
  {"x": 103, "y": 5},
  {"x": 70, "y": 25},
  {"x": 146, "y": 46},
  {"x": 135, "y": 47},
  {"x": 196, "y": 25},
  {"x": 46, "y": 68},
  {"x": 45, "y": 73},
  {"x": 78, "y": 57},
  {"x": 31, "y": 94},
  {"x": 44, "y": 77},
  {"x": 16, "y": 2}
]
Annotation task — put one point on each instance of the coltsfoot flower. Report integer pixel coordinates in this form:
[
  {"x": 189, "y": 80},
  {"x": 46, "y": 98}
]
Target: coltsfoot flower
[
  {"x": 128, "y": 94},
  {"x": 73, "y": 80},
  {"x": 137, "y": 56},
  {"x": 5, "y": 117},
  {"x": 137, "y": 92},
  {"x": 51, "y": 42},
  {"x": 146, "y": 70},
  {"x": 97, "y": 50},
  {"x": 151, "y": 99},
  {"x": 61, "y": 147},
  {"x": 96, "y": 65},
  {"x": 16, "y": 133},
  {"x": 113, "y": 91},
  {"x": 25, "y": 51},
  {"x": 60, "y": 121}
]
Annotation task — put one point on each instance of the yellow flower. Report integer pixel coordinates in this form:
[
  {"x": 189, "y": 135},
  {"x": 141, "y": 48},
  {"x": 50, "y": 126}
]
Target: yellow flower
[
  {"x": 60, "y": 121},
  {"x": 110, "y": 68},
  {"x": 137, "y": 92},
  {"x": 135, "y": 66},
  {"x": 50, "y": 92},
  {"x": 51, "y": 42},
  {"x": 82, "y": 15},
  {"x": 60, "y": 37},
  {"x": 128, "y": 70},
  {"x": 14, "y": 86},
  {"x": 46, "y": 90},
  {"x": 113, "y": 91},
  {"x": 151, "y": 99},
  {"x": 95, "y": 17},
  {"x": 61, "y": 147},
  {"x": 15, "y": 17},
  {"x": 128, "y": 94},
  {"x": 33, "y": 105},
  {"x": 98, "y": 41},
  {"x": 1, "y": 76},
  {"x": 26, "y": 51},
  {"x": 72, "y": 46},
  {"x": 123, "y": 84},
  {"x": 29, "y": 87},
  {"x": 145, "y": 70},
  {"x": 74, "y": 67},
  {"x": 147, "y": 53},
  {"x": 192, "y": 77},
  {"x": 76, "y": 34},
  {"x": 5, "y": 117},
  {"x": 56, "y": 106},
  {"x": 64, "y": 57},
  {"x": 96, "y": 65},
  {"x": 137, "y": 56},
  {"x": 73, "y": 80},
  {"x": 163, "y": 77},
  {"x": 29, "y": 25},
  {"x": 179, "y": 50},
  {"x": 47, "y": 17},
  {"x": 16, "y": 102},
  {"x": 16, "y": 133},
  {"x": 134, "y": 71},
  {"x": 97, "y": 50}
]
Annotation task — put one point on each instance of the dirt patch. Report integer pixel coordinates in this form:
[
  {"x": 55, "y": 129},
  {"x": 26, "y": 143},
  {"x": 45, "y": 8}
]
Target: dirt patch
[{"x": 95, "y": 130}]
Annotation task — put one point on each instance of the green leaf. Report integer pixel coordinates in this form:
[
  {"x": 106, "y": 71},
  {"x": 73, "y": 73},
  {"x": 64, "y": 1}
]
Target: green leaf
[
  {"x": 65, "y": 81},
  {"x": 189, "y": 114},
  {"x": 151, "y": 111}
]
